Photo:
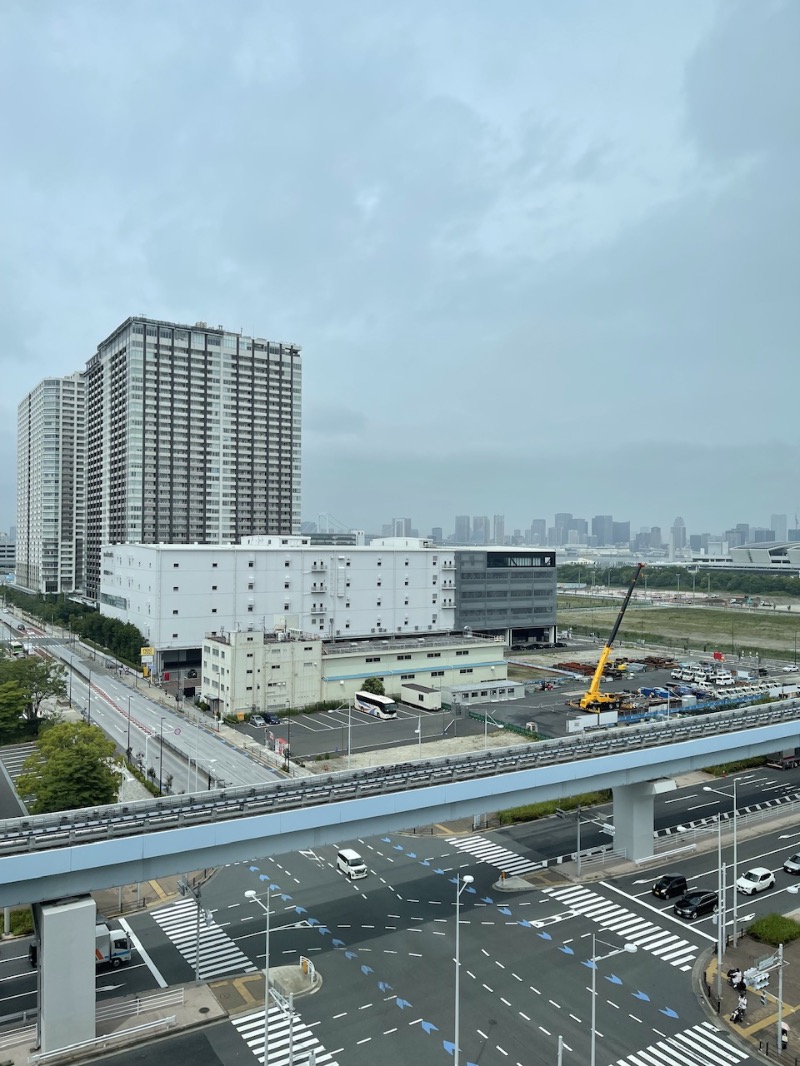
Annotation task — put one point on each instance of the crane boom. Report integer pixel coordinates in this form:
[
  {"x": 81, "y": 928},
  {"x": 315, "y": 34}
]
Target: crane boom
[{"x": 593, "y": 699}]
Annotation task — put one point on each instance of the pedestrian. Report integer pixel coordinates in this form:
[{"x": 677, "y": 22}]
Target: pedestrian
[{"x": 735, "y": 977}]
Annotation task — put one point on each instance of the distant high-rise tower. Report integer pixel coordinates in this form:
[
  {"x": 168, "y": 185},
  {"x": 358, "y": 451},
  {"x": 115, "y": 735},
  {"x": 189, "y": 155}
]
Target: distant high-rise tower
[
  {"x": 401, "y": 527},
  {"x": 779, "y": 525},
  {"x": 603, "y": 529},
  {"x": 621, "y": 533},
  {"x": 499, "y": 529},
  {"x": 51, "y": 486},
  {"x": 193, "y": 435},
  {"x": 538, "y": 531},
  {"x": 463, "y": 533},
  {"x": 480, "y": 529},
  {"x": 562, "y": 526},
  {"x": 677, "y": 536}
]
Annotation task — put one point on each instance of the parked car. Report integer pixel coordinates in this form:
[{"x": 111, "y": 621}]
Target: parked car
[
  {"x": 257, "y": 719},
  {"x": 696, "y": 903},
  {"x": 670, "y": 885},
  {"x": 272, "y": 719},
  {"x": 792, "y": 865},
  {"x": 756, "y": 880}
]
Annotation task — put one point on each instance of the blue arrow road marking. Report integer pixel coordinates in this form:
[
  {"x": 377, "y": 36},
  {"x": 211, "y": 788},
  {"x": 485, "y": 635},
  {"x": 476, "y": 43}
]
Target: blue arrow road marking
[
  {"x": 429, "y": 1027},
  {"x": 402, "y": 1003},
  {"x": 566, "y": 949},
  {"x": 668, "y": 1011},
  {"x": 366, "y": 969},
  {"x": 612, "y": 977},
  {"x": 544, "y": 936}
]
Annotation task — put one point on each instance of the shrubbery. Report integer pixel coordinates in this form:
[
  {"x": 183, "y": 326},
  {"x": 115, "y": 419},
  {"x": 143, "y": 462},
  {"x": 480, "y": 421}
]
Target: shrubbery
[
  {"x": 531, "y": 811},
  {"x": 775, "y": 929}
]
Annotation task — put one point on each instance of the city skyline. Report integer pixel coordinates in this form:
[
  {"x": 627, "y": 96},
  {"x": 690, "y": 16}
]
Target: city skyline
[
  {"x": 606, "y": 530},
  {"x": 555, "y": 259}
]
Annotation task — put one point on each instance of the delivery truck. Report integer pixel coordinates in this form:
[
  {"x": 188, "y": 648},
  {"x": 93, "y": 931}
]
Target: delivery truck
[{"x": 111, "y": 947}]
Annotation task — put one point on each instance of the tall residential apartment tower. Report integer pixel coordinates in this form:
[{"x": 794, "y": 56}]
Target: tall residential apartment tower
[
  {"x": 192, "y": 435},
  {"x": 51, "y": 486}
]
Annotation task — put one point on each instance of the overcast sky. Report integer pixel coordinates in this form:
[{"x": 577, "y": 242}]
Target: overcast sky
[{"x": 540, "y": 255}]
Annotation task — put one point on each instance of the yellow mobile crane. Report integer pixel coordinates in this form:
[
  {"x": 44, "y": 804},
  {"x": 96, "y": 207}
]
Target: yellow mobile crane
[{"x": 593, "y": 699}]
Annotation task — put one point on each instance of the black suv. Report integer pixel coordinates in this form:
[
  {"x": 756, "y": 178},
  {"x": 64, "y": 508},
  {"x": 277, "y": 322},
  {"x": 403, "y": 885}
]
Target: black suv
[
  {"x": 696, "y": 903},
  {"x": 670, "y": 885}
]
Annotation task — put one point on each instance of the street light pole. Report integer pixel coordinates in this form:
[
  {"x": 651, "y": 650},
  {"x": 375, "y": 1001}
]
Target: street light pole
[
  {"x": 461, "y": 884},
  {"x": 735, "y": 906},
  {"x": 720, "y": 910},
  {"x": 128, "y": 752},
  {"x": 252, "y": 895},
  {"x": 419, "y": 733},
  {"x": 593, "y": 963},
  {"x": 161, "y": 755}
]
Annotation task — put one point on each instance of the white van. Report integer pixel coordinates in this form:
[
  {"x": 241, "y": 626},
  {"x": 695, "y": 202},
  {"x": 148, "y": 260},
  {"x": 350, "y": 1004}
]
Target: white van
[{"x": 351, "y": 864}]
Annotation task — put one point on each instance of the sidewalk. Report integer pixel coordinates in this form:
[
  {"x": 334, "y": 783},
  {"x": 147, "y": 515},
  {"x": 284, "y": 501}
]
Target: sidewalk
[{"x": 135, "y": 1020}]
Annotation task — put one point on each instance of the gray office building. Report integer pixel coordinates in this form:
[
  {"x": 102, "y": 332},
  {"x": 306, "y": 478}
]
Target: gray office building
[{"x": 508, "y": 592}]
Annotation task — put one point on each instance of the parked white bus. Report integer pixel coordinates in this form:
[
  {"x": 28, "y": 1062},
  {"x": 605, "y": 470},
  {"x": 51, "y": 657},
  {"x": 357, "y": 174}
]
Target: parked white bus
[{"x": 377, "y": 706}]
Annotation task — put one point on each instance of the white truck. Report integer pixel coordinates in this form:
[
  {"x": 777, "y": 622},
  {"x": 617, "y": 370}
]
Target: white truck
[{"x": 111, "y": 946}]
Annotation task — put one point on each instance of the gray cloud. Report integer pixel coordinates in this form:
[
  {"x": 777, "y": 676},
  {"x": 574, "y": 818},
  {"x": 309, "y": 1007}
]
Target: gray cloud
[{"x": 537, "y": 261}]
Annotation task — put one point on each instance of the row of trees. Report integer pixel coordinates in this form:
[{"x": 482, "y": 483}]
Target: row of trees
[
  {"x": 682, "y": 578},
  {"x": 120, "y": 639}
]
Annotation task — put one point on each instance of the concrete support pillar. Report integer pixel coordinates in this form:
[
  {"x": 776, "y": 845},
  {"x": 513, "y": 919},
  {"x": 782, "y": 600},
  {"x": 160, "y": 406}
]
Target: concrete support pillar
[
  {"x": 633, "y": 816},
  {"x": 67, "y": 969}
]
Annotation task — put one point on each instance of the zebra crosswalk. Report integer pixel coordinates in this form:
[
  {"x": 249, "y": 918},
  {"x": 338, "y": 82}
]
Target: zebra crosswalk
[
  {"x": 671, "y": 947},
  {"x": 501, "y": 858},
  {"x": 702, "y": 1045},
  {"x": 289, "y": 1041},
  {"x": 218, "y": 953}
]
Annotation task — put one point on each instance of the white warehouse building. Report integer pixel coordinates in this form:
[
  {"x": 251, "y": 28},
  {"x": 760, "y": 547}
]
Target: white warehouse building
[
  {"x": 176, "y": 594},
  {"x": 179, "y": 594}
]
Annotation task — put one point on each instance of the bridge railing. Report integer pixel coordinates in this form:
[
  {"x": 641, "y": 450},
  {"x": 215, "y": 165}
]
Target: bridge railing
[{"x": 66, "y": 829}]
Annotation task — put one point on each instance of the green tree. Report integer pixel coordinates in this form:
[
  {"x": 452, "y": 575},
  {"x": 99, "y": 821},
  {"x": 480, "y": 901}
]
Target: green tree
[
  {"x": 12, "y": 711},
  {"x": 74, "y": 766},
  {"x": 37, "y": 678},
  {"x": 373, "y": 685}
]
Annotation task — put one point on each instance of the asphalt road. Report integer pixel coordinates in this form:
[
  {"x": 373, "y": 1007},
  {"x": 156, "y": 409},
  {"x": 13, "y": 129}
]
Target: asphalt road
[
  {"x": 193, "y": 756},
  {"x": 385, "y": 947}
]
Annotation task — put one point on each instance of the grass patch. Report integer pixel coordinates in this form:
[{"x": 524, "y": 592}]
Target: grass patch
[
  {"x": 531, "y": 811},
  {"x": 22, "y": 922},
  {"x": 731, "y": 630},
  {"x": 735, "y": 767},
  {"x": 775, "y": 929}
]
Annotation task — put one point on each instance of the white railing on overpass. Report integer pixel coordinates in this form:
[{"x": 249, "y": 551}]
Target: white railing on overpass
[
  {"x": 64, "y": 830},
  {"x": 49, "y": 856}
]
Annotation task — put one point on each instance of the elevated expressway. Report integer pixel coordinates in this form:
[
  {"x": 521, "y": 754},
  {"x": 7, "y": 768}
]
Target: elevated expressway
[{"x": 48, "y": 857}]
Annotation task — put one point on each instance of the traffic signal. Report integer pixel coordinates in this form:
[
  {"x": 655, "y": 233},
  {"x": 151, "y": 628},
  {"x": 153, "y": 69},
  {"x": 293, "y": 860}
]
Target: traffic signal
[
  {"x": 757, "y": 979},
  {"x": 763, "y": 999}
]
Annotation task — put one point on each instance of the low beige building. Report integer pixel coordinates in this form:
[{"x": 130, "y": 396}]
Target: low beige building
[{"x": 256, "y": 672}]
